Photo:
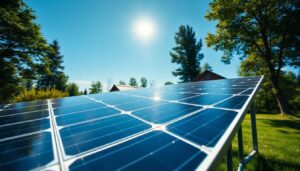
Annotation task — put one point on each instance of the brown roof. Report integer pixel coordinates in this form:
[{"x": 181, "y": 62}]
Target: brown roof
[
  {"x": 122, "y": 87},
  {"x": 208, "y": 75}
]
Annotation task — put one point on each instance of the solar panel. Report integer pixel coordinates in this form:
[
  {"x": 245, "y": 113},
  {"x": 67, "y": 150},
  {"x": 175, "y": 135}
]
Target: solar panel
[{"x": 182, "y": 126}]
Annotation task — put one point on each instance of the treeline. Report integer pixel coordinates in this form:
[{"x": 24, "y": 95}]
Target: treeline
[{"x": 30, "y": 67}]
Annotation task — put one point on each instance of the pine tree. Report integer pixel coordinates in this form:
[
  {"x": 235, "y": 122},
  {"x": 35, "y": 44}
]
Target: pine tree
[
  {"x": 186, "y": 54},
  {"x": 54, "y": 77}
]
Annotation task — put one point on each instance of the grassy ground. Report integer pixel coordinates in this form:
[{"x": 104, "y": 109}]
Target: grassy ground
[{"x": 278, "y": 141}]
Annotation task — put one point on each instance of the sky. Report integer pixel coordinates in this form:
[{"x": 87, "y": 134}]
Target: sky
[{"x": 99, "y": 39}]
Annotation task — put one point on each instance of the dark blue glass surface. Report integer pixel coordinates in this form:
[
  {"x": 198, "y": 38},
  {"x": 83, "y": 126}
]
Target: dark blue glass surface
[
  {"x": 172, "y": 95},
  {"x": 83, "y": 137},
  {"x": 221, "y": 91},
  {"x": 142, "y": 103},
  {"x": 70, "y": 101},
  {"x": 153, "y": 151},
  {"x": 248, "y": 92},
  {"x": 84, "y": 116},
  {"x": 26, "y": 153},
  {"x": 164, "y": 113},
  {"x": 23, "y": 128},
  {"x": 206, "y": 99},
  {"x": 23, "y": 104},
  {"x": 235, "y": 102},
  {"x": 77, "y": 108},
  {"x": 24, "y": 117},
  {"x": 7, "y": 112},
  {"x": 205, "y": 127},
  {"x": 115, "y": 99}
]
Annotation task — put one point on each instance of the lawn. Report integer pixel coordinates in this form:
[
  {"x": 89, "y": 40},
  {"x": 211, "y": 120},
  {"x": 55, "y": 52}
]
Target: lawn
[{"x": 278, "y": 143}]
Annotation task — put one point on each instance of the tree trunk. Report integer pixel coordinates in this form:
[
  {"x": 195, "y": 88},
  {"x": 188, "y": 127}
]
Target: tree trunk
[{"x": 282, "y": 103}]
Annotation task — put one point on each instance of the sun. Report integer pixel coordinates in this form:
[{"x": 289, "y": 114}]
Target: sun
[{"x": 144, "y": 29}]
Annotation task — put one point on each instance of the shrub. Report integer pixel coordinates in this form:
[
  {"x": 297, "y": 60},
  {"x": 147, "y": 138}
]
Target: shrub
[{"x": 33, "y": 94}]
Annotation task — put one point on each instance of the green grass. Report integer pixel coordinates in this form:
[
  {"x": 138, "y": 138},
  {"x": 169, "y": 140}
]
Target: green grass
[{"x": 278, "y": 143}]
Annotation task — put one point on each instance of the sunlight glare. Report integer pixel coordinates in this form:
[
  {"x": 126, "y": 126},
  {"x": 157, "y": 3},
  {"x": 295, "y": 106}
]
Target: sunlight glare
[{"x": 144, "y": 29}]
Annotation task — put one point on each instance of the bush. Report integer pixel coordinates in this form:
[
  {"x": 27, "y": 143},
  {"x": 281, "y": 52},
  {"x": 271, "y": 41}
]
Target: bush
[{"x": 33, "y": 94}]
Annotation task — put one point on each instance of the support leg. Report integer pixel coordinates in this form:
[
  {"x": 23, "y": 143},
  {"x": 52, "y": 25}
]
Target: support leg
[
  {"x": 253, "y": 126},
  {"x": 229, "y": 158},
  {"x": 241, "y": 149}
]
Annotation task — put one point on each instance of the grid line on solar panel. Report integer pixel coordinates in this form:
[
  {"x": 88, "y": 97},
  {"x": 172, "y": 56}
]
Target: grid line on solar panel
[
  {"x": 169, "y": 154},
  {"x": 5, "y": 113},
  {"x": 188, "y": 126},
  {"x": 24, "y": 128},
  {"x": 56, "y": 139},
  {"x": 16, "y": 119},
  {"x": 26, "y": 153},
  {"x": 75, "y": 142},
  {"x": 169, "y": 97},
  {"x": 161, "y": 126},
  {"x": 122, "y": 111},
  {"x": 22, "y": 105}
]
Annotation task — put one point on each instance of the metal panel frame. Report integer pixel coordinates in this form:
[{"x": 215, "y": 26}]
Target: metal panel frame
[{"x": 211, "y": 162}]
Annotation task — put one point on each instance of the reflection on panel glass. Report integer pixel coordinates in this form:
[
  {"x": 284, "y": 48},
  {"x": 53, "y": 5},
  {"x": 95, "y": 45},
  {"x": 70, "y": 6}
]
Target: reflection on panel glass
[
  {"x": 205, "y": 127},
  {"x": 26, "y": 153},
  {"x": 153, "y": 151}
]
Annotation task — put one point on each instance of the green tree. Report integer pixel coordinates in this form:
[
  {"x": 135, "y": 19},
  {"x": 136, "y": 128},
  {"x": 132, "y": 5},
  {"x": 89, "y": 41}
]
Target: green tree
[
  {"x": 144, "y": 82},
  {"x": 96, "y": 87},
  {"x": 85, "y": 92},
  {"x": 206, "y": 67},
  {"x": 168, "y": 83},
  {"x": 55, "y": 77},
  {"x": 133, "y": 82},
  {"x": 186, "y": 54},
  {"x": 73, "y": 89},
  {"x": 122, "y": 82},
  {"x": 267, "y": 31},
  {"x": 22, "y": 47}
]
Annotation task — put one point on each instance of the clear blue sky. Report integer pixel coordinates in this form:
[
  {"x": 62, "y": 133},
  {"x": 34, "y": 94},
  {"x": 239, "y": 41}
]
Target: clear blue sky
[{"x": 98, "y": 42}]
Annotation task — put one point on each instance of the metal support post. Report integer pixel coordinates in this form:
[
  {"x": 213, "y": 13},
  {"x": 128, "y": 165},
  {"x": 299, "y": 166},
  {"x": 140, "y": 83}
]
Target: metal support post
[
  {"x": 253, "y": 126},
  {"x": 229, "y": 158}
]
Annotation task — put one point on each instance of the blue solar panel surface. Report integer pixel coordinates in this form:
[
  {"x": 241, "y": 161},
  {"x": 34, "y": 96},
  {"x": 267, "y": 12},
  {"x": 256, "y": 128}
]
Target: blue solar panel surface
[{"x": 164, "y": 128}]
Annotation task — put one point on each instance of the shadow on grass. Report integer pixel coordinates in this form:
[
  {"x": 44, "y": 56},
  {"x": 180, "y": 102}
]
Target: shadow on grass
[
  {"x": 293, "y": 124},
  {"x": 262, "y": 163}
]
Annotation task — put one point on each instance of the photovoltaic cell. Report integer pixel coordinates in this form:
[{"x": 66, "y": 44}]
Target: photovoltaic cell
[
  {"x": 206, "y": 99},
  {"x": 235, "y": 102},
  {"x": 173, "y": 127},
  {"x": 85, "y": 116},
  {"x": 26, "y": 153},
  {"x": 86, "y": 136},
  {"x": 205, "y": 127},
  {"x": 164, "y": 113},
  {"x": 153, "y": 151},
  {"x": 10, "y": 119},
  {"x": 23, "y": 128}
]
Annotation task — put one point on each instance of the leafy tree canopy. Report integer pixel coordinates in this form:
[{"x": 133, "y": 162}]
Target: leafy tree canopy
[
  {"x": 268, "y": 31},
  {"x": 122, "y": 82},
  {"x": 144, "y": 82},
  {"x": 22, "y": 47},
  {"x": 96, "y": 87},
  {"x": 168, "y": 83},
  {"x": 73, "y": 89},
  {"x": 133, "y": 82}
]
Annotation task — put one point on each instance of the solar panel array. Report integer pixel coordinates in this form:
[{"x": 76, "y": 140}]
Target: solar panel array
[{"x": 170, "y": 127}]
